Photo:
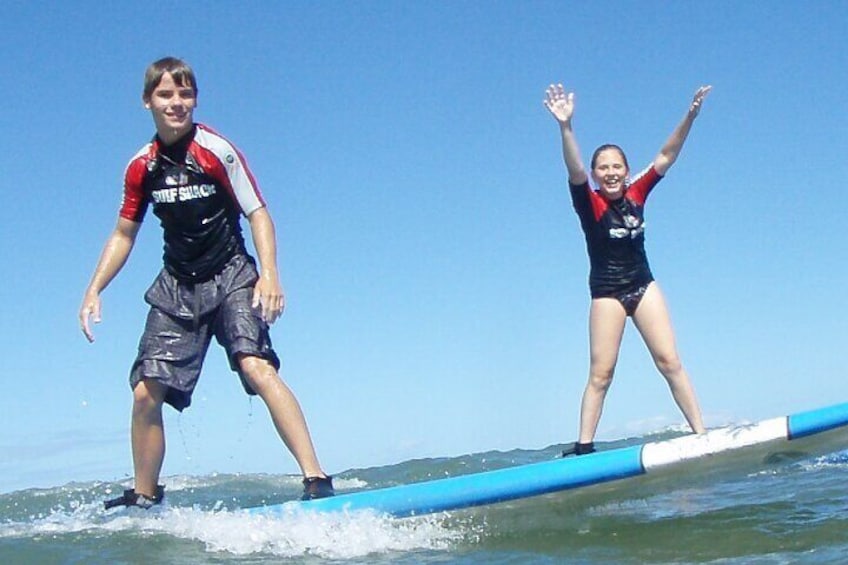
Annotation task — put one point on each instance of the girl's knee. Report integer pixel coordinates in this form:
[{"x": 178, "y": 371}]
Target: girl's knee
[
  {"x": 670, "y": 366},
  {"x": 601, "y": 378}
]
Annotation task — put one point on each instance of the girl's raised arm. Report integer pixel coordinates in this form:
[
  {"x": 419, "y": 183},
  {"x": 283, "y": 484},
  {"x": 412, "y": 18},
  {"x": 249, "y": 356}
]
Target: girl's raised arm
[
  {"x": 561, "y": 106},
  {"x": 669, "y": 152}
]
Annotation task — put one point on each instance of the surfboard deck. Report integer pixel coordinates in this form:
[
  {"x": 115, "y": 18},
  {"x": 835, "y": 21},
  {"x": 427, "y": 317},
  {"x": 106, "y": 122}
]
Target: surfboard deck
[{"x": 719, "y": 451}]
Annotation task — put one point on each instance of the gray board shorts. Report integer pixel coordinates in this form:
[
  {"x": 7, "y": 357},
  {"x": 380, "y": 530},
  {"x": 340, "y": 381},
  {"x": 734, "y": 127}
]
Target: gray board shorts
[{"x": 183, "y": 318}]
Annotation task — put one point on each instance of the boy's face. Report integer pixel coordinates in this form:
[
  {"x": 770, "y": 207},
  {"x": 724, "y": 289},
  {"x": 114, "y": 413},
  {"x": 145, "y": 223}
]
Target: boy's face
[{"x": 172, "y": 107}]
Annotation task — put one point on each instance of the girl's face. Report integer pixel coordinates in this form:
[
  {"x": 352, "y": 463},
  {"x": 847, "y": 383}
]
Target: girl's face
[{"x": 610, "y": 173}]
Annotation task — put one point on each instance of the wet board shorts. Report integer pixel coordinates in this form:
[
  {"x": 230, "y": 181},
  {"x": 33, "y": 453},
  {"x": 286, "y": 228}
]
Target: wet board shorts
[{"x": 183, "y": 318}]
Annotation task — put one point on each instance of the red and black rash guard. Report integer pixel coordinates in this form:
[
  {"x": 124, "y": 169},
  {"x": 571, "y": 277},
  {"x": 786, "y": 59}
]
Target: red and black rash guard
[
  {"x": 615, "y": 235},
  {"x": 199, "y": 186}
]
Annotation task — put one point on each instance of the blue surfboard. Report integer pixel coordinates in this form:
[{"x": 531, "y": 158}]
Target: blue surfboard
[{"x": 722, "y": 450}]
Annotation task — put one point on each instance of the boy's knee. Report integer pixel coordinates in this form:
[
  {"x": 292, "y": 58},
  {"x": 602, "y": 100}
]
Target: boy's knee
[
  {"x": 258, "y": 372},
  {"x": 148, "y": 395}
]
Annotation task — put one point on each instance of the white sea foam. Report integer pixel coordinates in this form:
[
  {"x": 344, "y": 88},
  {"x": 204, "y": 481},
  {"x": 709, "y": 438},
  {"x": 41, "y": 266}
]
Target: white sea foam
[
  {"x": 292, "y": 534},
  {"x": 831, "y": 460},
  {"x": 324, "y": 535}
]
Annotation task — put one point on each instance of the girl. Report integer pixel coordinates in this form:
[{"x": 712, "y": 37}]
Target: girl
[{"x": 620, "y": 279}]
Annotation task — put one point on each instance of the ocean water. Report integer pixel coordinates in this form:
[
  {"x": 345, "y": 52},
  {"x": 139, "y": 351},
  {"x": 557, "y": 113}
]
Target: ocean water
[{"x": 785, "y": 512}]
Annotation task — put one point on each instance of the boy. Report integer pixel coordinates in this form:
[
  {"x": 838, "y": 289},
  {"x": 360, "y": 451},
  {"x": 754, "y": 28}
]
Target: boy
[{"x": 199, "y": 186}]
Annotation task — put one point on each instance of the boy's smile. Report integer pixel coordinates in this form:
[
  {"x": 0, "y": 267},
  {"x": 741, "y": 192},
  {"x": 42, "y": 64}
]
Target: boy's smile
[{"x": 172, "y": 106}]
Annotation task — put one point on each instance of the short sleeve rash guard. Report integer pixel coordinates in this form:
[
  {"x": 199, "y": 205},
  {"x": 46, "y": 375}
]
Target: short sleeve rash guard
[
  {"x": 199, "y": 187},
  {"x": 615, "y": 235}
]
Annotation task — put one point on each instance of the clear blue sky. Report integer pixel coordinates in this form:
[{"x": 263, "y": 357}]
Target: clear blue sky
[{"x": 435, "y": 272}]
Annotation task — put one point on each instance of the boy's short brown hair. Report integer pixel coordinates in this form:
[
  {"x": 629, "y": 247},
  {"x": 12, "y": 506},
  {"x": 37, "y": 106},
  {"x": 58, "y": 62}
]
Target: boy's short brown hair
[{"x": 179, "y": 70}]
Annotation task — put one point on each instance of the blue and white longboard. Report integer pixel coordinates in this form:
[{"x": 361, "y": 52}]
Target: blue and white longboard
[{"x": 805, "y": 434}]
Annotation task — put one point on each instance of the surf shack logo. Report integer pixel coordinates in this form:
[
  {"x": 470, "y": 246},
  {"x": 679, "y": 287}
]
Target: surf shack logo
[{"x": 173, "y": 194}]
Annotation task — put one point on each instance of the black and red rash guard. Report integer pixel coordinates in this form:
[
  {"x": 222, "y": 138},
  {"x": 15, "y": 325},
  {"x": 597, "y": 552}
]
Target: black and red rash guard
[
  {"x": 615, "y": 235},
  {"x": 199, "y": 186}
]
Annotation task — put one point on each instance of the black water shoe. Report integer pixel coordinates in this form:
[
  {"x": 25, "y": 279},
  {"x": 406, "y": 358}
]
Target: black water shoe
[
  {"x": 317, "y": 487},
  {"x": 579, "y": 449},
  {"x": 132, "y": 498}
]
